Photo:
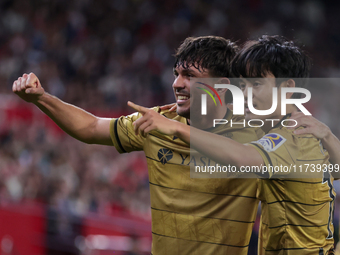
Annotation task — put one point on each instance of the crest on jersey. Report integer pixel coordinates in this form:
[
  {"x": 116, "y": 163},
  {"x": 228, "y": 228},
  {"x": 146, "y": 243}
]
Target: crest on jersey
[
  {"x": 271, "y": 142},
  {"x": 164, "y": 155}
]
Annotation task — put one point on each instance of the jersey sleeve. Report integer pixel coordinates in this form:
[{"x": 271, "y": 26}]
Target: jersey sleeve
[
  {"x": 123, "y": 135},
  {"x": 278, "y": 149}
]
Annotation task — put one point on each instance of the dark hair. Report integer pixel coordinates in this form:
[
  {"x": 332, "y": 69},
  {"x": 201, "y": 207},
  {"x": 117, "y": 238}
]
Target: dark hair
[
  {"x": 274, "y": 54},
  {"x": 212, "y": 53}
]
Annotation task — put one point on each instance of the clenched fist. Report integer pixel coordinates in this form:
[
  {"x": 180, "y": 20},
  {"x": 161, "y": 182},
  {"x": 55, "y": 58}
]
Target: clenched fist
[{"x": 28, "y": 87}]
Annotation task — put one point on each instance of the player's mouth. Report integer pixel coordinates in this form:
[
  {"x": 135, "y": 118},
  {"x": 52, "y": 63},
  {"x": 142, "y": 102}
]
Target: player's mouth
[{"x": 181, "y": 99}]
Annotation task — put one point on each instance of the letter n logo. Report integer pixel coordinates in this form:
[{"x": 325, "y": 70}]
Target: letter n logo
[{"x": 204, "y": 97}]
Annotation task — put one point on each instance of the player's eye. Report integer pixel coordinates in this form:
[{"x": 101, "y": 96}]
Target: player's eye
[
  {"x": 256, "y": 84},
  {"x": 242, "y": 86}
]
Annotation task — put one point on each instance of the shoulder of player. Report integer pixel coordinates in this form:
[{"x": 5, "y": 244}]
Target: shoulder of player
[
  {"x": 289, "y": 135},
  {"x": 275, "y": 139},
  {"x": 290, "y": 132},
  {"x": 282, "y": 131},
  {"x": 170, "y": 115}
]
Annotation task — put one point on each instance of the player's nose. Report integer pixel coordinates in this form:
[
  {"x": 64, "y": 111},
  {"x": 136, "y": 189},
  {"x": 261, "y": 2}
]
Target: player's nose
[{"x": 179, "y": 83}]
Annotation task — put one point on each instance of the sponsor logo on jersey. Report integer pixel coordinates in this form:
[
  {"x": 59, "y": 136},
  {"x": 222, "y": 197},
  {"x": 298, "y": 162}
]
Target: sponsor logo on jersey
[
  {"x": 271, "y": 142},
  {"x": 164, "y": 155}
]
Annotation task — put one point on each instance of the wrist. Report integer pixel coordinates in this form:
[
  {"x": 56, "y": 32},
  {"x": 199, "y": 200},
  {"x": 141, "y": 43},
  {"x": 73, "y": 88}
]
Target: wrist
[
  {"x": 328, "y": 136},
  {"x": 178, "y": 130},
  {"x": 182, "y": 130},
  {"x": 40, "y": 99}
]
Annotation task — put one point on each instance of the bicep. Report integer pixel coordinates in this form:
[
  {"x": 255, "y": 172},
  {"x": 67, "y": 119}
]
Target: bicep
[{"x": 102, "y": 132}]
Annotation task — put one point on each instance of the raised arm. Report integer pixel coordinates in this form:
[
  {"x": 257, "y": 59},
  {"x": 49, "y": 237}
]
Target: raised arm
[
  {"x": 321, "y": 131},
  {"x": 76, "y": 122}
]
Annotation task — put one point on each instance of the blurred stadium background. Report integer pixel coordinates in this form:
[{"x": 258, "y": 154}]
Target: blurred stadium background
[{"x": 59, "y": 196}]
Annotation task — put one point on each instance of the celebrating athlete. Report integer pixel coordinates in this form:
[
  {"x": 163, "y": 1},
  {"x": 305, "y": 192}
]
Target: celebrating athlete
[{"x": 189, "y": 216}]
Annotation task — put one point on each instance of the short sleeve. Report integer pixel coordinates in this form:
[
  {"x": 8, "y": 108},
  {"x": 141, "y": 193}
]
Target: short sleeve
[
  {"x": 123, "y": 135},
  {"x": 278, "y": 149}
]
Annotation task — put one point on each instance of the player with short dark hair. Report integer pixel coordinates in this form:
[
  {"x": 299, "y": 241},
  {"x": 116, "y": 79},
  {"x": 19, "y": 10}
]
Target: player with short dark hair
[
  {"x": 206, "y": 53},
  {"x": 275, "y": 55},
  {"x": 189, "y": 216},
  {"x": 297, "y": 214}
]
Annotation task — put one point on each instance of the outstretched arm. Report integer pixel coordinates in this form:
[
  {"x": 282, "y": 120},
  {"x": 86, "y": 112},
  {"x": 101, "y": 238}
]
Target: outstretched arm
[
  {"x": 221, "y": 149},
  {"x": 320, "y": 131},
  {"x": 76, "y": 122}
]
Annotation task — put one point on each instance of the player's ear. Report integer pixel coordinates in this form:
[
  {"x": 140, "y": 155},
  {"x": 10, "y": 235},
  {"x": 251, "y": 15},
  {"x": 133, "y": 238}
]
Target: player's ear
[
  {"x": 223, "y": 80},
  {"x": 290, "y": 84}
]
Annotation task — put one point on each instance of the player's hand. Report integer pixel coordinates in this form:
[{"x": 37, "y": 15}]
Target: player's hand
[
  {"x": 152, "y": 120},
  {"x": 28, "y": 87},
  {"x": 310, "y": 124},
  {"x": 170, "y": 107}
]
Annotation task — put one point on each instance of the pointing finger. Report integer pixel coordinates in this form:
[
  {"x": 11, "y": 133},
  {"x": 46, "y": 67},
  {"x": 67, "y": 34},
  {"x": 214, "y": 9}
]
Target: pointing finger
[{"x": 137, "y": 107}]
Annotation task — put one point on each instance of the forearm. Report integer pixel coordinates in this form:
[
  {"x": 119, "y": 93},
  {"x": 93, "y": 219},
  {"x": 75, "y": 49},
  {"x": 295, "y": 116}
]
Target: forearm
[
  {"x": 73, "y": 120},
  {"x": 221, "y": 149}
]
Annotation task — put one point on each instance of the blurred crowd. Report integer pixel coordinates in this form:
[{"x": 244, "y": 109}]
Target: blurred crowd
[
  {"x": 54, "y": 168},
  {"x": 99, "y": 54}
]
